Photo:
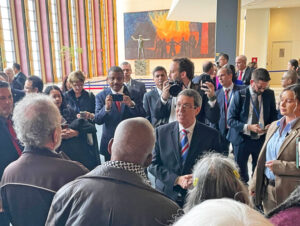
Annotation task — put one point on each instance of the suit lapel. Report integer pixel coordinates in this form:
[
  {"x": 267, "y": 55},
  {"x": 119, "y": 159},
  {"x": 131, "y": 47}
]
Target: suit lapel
[
  {"x": 290, "y": 137},
  {"x": 265, "y": 103},
  {"x": 175, "y": 143},
  {"x": 246, "y": 104}
]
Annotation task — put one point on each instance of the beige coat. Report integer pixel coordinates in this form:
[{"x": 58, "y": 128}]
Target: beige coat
[{"x": 287, "y": 176}]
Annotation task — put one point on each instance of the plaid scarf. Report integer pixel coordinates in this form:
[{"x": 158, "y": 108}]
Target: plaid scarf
[{"x": 135, "y": 168}]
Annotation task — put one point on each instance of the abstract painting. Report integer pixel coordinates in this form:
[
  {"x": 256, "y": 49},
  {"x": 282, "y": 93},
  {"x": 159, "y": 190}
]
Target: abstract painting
[{"x": 149, "y": 35}]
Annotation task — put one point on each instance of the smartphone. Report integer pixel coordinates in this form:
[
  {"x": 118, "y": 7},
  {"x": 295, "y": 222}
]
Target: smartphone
[
  {"x": 64, "y": 126},
  {"x": 82, "y": 114},
  {"x": 205, "y": 78},
  {"x": 117, "y": 97}
]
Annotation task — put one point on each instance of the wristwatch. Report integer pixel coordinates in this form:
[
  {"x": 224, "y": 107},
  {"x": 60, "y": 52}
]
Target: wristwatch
[{"x": 212, "y": 98}]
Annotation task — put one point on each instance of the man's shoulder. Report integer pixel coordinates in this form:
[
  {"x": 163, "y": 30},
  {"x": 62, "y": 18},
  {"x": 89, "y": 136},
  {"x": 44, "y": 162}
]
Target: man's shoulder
[
  {"x": 206, "y": 128},
  {"x": 151, "y": 93},
  {"x": 104, "y": 92},
  {"x": 167, "y": 127},
  {"x": 138, "y": 83}
]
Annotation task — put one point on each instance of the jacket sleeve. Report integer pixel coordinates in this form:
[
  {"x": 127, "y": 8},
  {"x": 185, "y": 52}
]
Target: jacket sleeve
[
  {"x": 285, "y": 168},
  {"x": 100, "y": 114},
  {"x": 234, "y": 113},
  {"x": 211, "y": 113},
  {"x": 161, "y": 110},
  {"x": 146, "y": 106},
  {"x": 157, "y": 168},
  {"x": 138, "y": 109}
]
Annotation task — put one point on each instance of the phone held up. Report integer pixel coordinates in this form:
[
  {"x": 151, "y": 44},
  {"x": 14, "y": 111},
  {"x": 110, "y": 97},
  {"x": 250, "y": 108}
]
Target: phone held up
[{"x": 117, "y": 97}]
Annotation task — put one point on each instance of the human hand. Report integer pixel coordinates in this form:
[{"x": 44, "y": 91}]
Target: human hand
[
  {"x": 209, "y": 89},
  {"x": 165, "y": 91},
  {"x": 185, "y": 181},
  {"x": 69, "y": 133},
  {"x": 108, "y": 102},
  {"x": 127, "y": 101},
  {"x": 269, "y": 164},
  {"x": 255, "y": 128}
]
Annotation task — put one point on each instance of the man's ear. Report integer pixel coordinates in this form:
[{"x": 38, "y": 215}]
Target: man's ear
[
  {"x": 56, "y": 135},
  {"x": 110, "y": 143},
  {"x": 148, "y": 160},
  {"x": 35, "y": 90},
  {"x": 183, "y": 75}
]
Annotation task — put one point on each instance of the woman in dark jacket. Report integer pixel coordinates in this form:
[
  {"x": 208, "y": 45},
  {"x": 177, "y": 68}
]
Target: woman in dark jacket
[
  {"x": 79, "y": 139},
  {"x": 78, "y": 98}
]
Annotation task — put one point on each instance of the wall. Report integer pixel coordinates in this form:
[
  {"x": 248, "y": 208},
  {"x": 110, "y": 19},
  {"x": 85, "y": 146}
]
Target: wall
[
  {"x": 256, "y": 35},
  {"x": 124, "y": 6}
]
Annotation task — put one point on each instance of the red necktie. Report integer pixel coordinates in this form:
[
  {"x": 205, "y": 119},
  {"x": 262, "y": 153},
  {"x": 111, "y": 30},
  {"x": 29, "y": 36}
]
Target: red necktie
[
  {"x": 13, "y": 136},
  {"x": 226, "y": 105},
  {"x": 118, "y": 103},
  {"x": 240, "y": 75}
]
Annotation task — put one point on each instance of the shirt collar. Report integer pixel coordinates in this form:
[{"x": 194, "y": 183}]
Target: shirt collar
[
  {"x": 190, "y": 129},
  {"x": 159, "y": 91},
  {"x": 121, "y": 91},
  {"x": 128, "y": 83},
  {"x": 230, "y": 87},
  {"x": 289, "y": 125}
]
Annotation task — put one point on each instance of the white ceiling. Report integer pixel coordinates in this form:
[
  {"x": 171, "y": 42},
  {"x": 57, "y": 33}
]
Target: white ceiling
[{"x": 205, "y": 10}]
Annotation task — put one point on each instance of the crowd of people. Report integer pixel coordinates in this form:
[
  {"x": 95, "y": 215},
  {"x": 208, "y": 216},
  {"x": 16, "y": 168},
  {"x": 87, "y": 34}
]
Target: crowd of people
[{"x": 181, "y": 133}]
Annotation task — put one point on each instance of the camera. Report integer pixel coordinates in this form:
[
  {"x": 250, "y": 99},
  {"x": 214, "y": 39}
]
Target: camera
[
  {"x": 117, "y": 97},
  {"x": 175, "y": 88}
]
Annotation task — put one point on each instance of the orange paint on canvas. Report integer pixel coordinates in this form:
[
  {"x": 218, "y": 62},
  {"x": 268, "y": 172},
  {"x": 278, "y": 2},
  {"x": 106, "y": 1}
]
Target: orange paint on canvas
[{"x": 204, "y": 39}]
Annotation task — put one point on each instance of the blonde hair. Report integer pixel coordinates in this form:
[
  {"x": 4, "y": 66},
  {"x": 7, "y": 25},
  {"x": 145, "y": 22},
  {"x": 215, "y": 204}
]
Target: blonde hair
[
  {"x": 215, "y": 176},
  {"x": 76, "y": 76}
]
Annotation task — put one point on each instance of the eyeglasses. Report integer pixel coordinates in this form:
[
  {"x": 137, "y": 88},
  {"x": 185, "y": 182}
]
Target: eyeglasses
[
  {"x": 77, "y": 85},
  {"x": 260, "y": 88},
  {"x": 185, "y": 106}
]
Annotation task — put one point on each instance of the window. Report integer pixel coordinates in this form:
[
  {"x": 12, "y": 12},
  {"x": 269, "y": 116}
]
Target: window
[
  {"x": 33, "y": 38},
  {"x": 74, "y": 34},
  {"x": 7, "y": 31},
  {"x": 55, "y": 40}
]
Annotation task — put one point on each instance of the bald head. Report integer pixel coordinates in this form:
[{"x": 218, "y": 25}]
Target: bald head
[
  {"x": 133, "y": 142},
  {"x": 10, "y": 73}
]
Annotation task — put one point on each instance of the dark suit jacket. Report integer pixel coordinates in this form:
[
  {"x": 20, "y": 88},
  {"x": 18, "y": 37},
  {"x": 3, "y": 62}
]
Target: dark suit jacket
[
  {"x": 247, "y": 75},
  {"x": 17, "y": 94},
  {"x": 207, "y": 112},
  {"x": 19, "y": 81},
  {"x": 112, "y": 118},
  {"x": 149, "y": 103},
  {"x": 221, "y": 126},
  {"x": 166, "y": 163},
  {"x": 239, "y": 110},
  {"x": 86, "y": 102},
  {"x": 110, "y": 196},
  {"x": 137, "y": 86},
  {"x": 8, "y": 153}
]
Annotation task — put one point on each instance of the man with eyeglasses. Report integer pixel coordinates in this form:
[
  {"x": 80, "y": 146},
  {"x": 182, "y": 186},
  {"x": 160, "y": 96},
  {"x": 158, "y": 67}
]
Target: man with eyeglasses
[
  {"x": 178, "y": 146},
  {"x": 249, "y": 116}
]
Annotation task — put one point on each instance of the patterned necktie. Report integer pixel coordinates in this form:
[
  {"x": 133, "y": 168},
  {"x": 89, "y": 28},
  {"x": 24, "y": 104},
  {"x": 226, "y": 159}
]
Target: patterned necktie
[
  {"x": 184, "y": 144},
  {"x": 240, "y": 75},
  {"x": 226, "y": 105},
  {"x": 255, "y": 117},
  {"x": 118, "y": 103}
]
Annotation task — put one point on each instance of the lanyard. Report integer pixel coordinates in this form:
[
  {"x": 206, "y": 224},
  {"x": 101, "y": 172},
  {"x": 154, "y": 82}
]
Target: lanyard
[{"x": 254, "y": 108}]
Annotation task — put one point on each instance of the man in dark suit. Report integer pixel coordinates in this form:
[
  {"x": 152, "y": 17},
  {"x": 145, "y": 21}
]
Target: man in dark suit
[
  {"x": 19, "y": 79},
  {"x": 178, "y": 146},
  {"x": 8, "y": 76},
  {"x": 33, "y": 84},
  {"x": 243, "y": 71},
  {"x": 249, "y": 116},
  {"x": 224, "y": 96},
  {"x": 131, "y": 83},
  {"x": 208, "y": 69},
  {"x": 110, "y": 112},
  {"x": 150, "y": 98},
  {"x": 182, "y": 72}
]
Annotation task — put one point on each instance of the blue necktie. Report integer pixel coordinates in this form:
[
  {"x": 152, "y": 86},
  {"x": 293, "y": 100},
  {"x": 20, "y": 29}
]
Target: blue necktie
[{"x": 184, "y": 145}]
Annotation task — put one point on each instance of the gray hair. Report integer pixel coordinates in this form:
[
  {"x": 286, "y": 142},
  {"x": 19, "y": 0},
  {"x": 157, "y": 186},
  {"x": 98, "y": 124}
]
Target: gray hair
[
  {"x": 216, "y": 212},
  {"x": 194, "y": 94},
  {"x": 35, "y": 119},
  {"x": 215, "y": 176},
  {"x": 125, "y": 63}
]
